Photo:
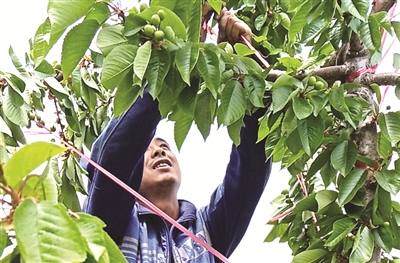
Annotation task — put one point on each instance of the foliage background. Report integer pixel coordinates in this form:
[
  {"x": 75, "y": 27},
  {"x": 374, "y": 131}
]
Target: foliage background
[{"x": 199, "y": 178}]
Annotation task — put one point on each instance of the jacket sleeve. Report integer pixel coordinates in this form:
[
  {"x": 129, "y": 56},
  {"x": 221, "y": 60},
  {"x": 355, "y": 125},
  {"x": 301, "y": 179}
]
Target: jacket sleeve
[
  {"x": 120, "y": 150},
  {"x": 232, "y": 204}
]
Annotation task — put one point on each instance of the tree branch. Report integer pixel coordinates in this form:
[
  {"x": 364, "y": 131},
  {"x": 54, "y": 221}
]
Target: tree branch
[
  {"x": 380, "y": 79},
  {"x": 382, "y": 5},
  {"x": 330, "y": 74}
]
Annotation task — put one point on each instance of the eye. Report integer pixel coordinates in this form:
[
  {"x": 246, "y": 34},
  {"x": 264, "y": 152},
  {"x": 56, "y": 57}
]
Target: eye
[{"x": 164, "y": 146}]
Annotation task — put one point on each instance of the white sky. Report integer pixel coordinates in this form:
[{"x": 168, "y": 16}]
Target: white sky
[{"x": 202, "y": 164}]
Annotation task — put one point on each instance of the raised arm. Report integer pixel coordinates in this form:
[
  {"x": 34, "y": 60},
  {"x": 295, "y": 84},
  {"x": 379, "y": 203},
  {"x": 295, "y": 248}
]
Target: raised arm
[
  {"x": 234, "y": 201},
  {"x": 120, "y": 149}
]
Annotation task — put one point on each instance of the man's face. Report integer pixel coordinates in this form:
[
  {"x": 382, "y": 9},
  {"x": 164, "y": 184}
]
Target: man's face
[{"x": 161, "y": 170}]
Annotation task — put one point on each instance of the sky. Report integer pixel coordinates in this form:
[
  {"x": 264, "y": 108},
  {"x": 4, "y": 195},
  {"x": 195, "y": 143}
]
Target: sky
[{"x": 202, "y": 163}]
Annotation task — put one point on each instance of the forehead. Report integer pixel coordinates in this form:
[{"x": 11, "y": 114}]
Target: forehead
[{"x": 158, "y": 140}]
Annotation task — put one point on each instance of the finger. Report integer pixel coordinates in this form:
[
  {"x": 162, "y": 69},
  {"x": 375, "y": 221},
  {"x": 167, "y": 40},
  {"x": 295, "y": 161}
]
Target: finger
[
  {"x": 222, "y": 24},
  {"x": 239, "y": 28}
]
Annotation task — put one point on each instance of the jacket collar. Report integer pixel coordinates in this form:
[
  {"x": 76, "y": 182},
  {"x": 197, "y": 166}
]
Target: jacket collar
[{"x": 187, "y": 211}]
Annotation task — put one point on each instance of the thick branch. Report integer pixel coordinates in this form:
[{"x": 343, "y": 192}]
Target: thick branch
[
  {"x": 382, "y": 5},
  {"x": 330, "y": 74},
  {"x": 380, "y": 79}
]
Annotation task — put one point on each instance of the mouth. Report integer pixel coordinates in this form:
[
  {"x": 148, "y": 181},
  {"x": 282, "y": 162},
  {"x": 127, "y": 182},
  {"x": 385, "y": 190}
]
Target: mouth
[{"x": 162, "y": 164}]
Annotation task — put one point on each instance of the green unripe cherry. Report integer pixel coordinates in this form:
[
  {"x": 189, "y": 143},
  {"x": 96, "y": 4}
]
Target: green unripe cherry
[
  {"x": 159, "y": 35},
  {"x": 319, "y": 85},
  {"x": 161, "y": 14},
  {"x": 143, "y": 7},
  {"x": 31, "y": 116},
  {"x": 155, "y": 20},
  {"x": 148, "y": 30},
  {"x": 169, "y": 33},
  {"x": 312, "y": 81}
]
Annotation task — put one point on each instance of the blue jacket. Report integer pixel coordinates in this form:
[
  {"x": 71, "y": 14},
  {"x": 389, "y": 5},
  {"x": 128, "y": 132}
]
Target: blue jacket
[{"x": 144, "y": 236}]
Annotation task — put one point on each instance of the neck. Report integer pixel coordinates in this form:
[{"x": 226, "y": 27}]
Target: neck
[{"x": 170, "y": 206}]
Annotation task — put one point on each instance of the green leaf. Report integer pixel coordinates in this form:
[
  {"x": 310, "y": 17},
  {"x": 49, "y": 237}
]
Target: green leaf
[
  {"x": 397, "y": 90},
  {"x": 366, "y": 35},
  {"x": 234, "y": 131},
  {"x": 324, "y": 198},
  {"x": 204, "y": 112},
  {"x": 17, "y": 64},
  {"x": 89, "y": 96},
  {"x": 126, "y": 95},
  {"x": 384, "y": 146},
  {"x": 390, "y": 125},
  {"x": 16, "y": 131},
  {"x": 117, "y": 64},
  {"x": 381, "y": 207},
  {"x": 344, "y": 157},
  {"x": 41, "y": 43},
  {"x": 91, "y": 229},
  {"x": 310, "y": 256},
  {"x": 383, "y": 238},
  {"x": 156, "y": 71},
  {"x": 319, "y": 162},
  {"x": 336, "y": 98},
  {"x": 280, "y": 97},
  {"x": 13, "y": 112},
  {"x": 88, "y": 79},
  {"x": 292, "y": 64},
  {"x": 363, "y": 246},
  {"x": 396, "y": 28},
  {"x": 31, "y": 155},
  {"x": 308, "y": 203},
  {"x": 255, "y": 87},
  {"x": 62, "y": 14},
  {"x": 302, "y": 107},
  {"x": 4, "y": 127},
  {"x": 194, "y": 21},
  {"x": 216, "y": 5},
  {"x": 113, "y": 251},
  {"x": 208, "y": 67},
  {"x": 357, "y": 8},
  {"x": 187, "y": 99},
  {"x": 185, "y": 60},
  {"x": 69, "y": 194},
  {"x": 396, "y": 60},
  {"x": 311, "y": 132},
  {"x": 110, "y": 37},
  {"x": 276, "y": 231},
  {"x": 133, "y": 25},
  {"x": 349, "y": 186},
  {"x": 183, "y": 122},
  {"x": 243, "y": 50},
  {"x": 45, "y": 233},
  {"x": 233, "y": 104},
  {"x": 76, "y": 43},
  {"x": 341, "y": 228},
  {"x": 389, "y": 180},
  {"x": 299, "y": 20},
  {"x": 142, "y": 59},
  {"x": 99, "y": 12}
]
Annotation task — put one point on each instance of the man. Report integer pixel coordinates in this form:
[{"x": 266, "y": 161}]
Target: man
[{"x": 128, "y": 149}]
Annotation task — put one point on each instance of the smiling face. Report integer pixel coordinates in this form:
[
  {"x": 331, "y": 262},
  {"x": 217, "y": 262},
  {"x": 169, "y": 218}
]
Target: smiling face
[{"x": 161, "y": 172}]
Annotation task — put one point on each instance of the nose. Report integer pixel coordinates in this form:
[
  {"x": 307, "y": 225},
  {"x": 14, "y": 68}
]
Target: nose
[{"x": 159, "y": 152}]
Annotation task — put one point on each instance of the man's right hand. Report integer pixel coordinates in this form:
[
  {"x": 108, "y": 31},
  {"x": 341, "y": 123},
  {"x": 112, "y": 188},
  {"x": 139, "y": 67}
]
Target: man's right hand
[{"x": 230, "y": 27}]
